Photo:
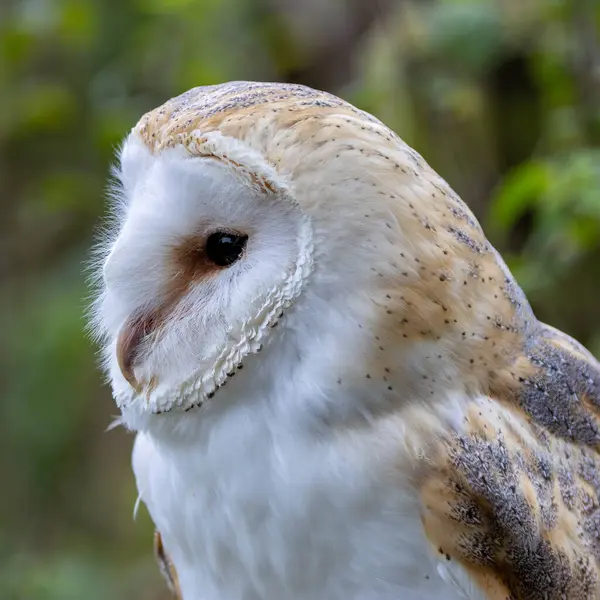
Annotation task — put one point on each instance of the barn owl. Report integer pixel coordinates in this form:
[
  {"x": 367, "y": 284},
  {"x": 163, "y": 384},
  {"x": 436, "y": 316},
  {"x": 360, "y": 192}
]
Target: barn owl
[{"x": 337, "y": 387}]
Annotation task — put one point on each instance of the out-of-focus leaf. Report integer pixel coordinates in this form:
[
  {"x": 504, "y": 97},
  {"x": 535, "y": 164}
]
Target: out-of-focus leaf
[
  {"x": 59, "y": 352},
  {"x": 163, "y": 7},
  {"x": 577, "y": 183},
  {"x": 67, "y": 578},
  {"x": 466, "y": 33},
  {"x": 520, "y": 190},
  {"x": 62, "y": 190},
  {"x": 584, "y": 232},
  {"x": 193, "y": 70},
  {"x": 45, "y": 107},
  {"x": 78, "y": 23},
  {"x": 15, "y": 45}
]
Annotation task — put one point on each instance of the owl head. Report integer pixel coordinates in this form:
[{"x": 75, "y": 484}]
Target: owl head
[{"x": 258, "y": 228}]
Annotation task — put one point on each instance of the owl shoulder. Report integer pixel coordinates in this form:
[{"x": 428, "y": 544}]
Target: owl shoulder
[{"x": 511, "y": 496}]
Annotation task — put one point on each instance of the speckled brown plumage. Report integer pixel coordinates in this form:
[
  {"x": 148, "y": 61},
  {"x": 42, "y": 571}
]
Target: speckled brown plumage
[
  {"x": 512, "y": 493},
  {"x": 516, "y": 506}
]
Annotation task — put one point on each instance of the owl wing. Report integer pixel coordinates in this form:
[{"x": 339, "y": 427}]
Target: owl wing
[
  {"x": 511, "y": 497},
  {"x": 166, "y": 566}
]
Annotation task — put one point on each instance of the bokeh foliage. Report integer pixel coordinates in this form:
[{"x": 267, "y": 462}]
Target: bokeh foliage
[{"x": 502, "y": 97}]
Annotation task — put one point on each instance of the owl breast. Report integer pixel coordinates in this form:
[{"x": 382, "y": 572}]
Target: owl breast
[{"x": 257, "y": 509}]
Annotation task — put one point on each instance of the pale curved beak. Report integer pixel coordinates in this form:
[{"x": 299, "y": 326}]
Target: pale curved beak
[{"x": 131, "y": 335}]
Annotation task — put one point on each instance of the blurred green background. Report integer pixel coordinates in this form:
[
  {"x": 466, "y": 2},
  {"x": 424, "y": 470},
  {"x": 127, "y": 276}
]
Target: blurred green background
[{"x": 501, "y": 97}]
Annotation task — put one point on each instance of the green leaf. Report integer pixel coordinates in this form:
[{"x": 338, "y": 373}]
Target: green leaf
[{"x": 521, "y": 189}]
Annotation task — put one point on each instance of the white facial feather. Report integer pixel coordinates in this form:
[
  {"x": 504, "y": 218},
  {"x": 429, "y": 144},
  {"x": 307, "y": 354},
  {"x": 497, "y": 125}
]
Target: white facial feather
[{"x": 221, "y": 318}]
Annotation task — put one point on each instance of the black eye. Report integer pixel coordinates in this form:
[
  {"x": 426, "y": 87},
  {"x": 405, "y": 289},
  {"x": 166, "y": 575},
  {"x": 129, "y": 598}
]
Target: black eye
[{"x": 225, "y": 248}]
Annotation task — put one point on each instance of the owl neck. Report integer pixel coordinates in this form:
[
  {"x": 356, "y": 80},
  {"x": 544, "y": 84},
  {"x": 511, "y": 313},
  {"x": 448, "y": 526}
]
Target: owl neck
[{"x": 313, "y": 390}]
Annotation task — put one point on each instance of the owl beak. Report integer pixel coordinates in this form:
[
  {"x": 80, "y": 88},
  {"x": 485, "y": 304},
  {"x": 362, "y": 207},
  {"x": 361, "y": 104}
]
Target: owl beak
[{"x": 129, "y": 340}]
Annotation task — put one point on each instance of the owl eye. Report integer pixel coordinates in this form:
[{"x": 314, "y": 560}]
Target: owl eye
[{"x": 224, "y": 248}]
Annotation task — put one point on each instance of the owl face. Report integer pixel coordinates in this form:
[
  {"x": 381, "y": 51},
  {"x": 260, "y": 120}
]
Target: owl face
[
  {"x": 210, "y": 252},
  {"x": 247, "y": 206}
]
